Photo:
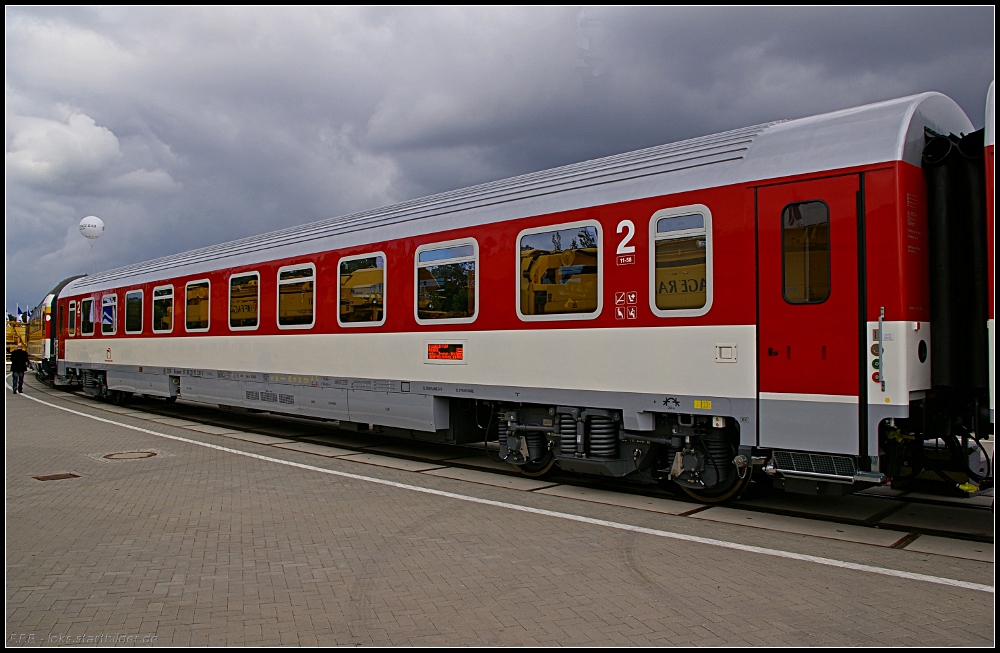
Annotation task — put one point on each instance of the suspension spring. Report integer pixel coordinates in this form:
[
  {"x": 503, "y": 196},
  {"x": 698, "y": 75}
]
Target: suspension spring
[
  {"x": 567, "y": 435},
  {"x": 603, "y": 437},
  {"x": 502, "y": 438}
]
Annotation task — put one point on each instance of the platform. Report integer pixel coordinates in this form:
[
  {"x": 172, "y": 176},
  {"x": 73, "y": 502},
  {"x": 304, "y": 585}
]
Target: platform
[{"x": 188, "y": 535}]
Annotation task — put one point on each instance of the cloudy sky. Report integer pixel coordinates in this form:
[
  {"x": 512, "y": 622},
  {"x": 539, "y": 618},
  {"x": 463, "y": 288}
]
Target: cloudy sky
[{"x": 185, "y": 127}]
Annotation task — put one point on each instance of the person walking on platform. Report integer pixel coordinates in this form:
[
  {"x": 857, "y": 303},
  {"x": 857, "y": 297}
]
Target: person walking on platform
[{"x": 18, "y": 366}]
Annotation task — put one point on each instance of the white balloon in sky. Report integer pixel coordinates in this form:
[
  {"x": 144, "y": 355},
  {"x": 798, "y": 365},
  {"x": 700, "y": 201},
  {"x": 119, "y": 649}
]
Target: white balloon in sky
[{"x": 92, "y": 227}]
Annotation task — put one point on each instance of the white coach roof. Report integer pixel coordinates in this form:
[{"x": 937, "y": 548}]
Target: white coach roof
[{"x": 875, "y": 133}]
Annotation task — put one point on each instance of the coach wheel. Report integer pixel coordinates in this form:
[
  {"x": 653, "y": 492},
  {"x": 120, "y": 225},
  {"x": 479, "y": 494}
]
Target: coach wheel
[
  {"x": 119, "y": 398},
  {"x": 729, "y": 491},
  {"x": 538, "y": 468}
]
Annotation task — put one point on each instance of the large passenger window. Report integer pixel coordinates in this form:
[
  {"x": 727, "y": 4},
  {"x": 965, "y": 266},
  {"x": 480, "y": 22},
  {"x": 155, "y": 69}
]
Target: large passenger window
[
  {"x": 244, "y": 299},
  {"x": 805, "y": 244},
  {"x": 163, "y": 309},
  {"x": 196, "y": 313},
  {"x": 362, "y": 290},
  {"x": 559, "y": 272},
  {"x": 681, "y": 261},
  {"x": 109, "y": 315},
  {"x": 133, "y": 311},
  {"x": 296, "y": 296},
  {"x": 446, "y": 282},
  {"x": 72, "y": 319},
  {"x": 87, "y": 317}
]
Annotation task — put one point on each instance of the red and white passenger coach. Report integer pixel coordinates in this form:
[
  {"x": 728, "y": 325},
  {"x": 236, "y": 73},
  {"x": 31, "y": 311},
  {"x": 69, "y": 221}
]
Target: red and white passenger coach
[{"x": 806, "y": 299}]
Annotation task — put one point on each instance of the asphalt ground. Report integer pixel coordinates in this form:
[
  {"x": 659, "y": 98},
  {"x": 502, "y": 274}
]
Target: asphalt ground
[{"x": 224, "y": 538}]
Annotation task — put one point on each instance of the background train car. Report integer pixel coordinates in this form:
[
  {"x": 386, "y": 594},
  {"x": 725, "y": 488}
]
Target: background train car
[
  {"x": 16, "y": 334},
  {"x": 42, "y": 336},
  {"x": 780, "y": 299}
]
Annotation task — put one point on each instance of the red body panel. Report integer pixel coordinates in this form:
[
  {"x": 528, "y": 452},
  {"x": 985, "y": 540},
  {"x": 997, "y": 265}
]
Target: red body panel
[
  {"x": 896, "y": 258},
  {"x": 734, "y": 303},
  {"x": 809, "y": 348}
]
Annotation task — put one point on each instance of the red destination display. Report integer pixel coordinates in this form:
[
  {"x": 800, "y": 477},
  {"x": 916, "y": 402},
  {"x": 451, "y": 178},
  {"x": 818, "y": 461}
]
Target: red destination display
[{"x": 445, "y": 352}]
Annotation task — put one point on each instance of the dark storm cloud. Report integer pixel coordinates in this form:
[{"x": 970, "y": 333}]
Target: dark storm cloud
[{"x": 187, "y": 127}]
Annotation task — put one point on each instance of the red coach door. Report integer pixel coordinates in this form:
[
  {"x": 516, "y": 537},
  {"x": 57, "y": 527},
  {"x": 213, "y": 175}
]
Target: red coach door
[{"x": 808, "y": 284}]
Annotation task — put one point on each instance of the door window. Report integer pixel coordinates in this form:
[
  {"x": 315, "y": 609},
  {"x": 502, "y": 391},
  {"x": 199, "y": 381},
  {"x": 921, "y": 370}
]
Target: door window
[{"x": 805, "y": 245}]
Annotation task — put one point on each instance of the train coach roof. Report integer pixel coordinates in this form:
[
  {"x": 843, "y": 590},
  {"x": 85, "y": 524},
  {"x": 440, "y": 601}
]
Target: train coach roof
[{"x": 882, "y": 132}]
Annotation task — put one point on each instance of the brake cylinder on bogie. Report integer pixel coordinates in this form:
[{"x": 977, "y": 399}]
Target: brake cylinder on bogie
[
  {"x": 538, "y": 445},
  {"x": 701, "y": 456},
  {"x": 527, "y": 442}
]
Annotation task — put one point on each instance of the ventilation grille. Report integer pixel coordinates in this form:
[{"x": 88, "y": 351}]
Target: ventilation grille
[
  {"x": 269, "y": 396},
  {"x": 814, "y": 463},
  {"x": 253, "y": 395},
  {"x": 286, "y": 399}
]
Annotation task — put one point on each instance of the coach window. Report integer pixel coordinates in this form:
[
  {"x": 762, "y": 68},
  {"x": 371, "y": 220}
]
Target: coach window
[
  {"x": 296, "y": 296},
  {"x": 133, "y": 311},
  {"x": 87, "y": 317},
  {"x": 71, "y": 327},
  {"x": 244, "y": 297},
  {"x": 109, "y": 315},
  {"x": 805, "y": 244},
  {"x": 681, "y": 261},
  {"x": 163, "y": 309},
  {"x": 196, "y": 305},
  {"x": 362, "y": 290},
  {"x": 446, "y": 282},
  {"x": 560, "y": 272}
]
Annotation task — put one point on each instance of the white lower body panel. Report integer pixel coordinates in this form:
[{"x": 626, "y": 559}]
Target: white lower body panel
[{"x": 667, "y": 360}]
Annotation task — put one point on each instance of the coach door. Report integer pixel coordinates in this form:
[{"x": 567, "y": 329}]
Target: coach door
[{"x": 808, "y": 290}]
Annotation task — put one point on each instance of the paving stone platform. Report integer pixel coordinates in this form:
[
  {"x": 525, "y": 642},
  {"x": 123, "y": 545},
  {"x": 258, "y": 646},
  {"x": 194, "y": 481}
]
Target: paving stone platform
[{"x": 197, "y": 545}]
